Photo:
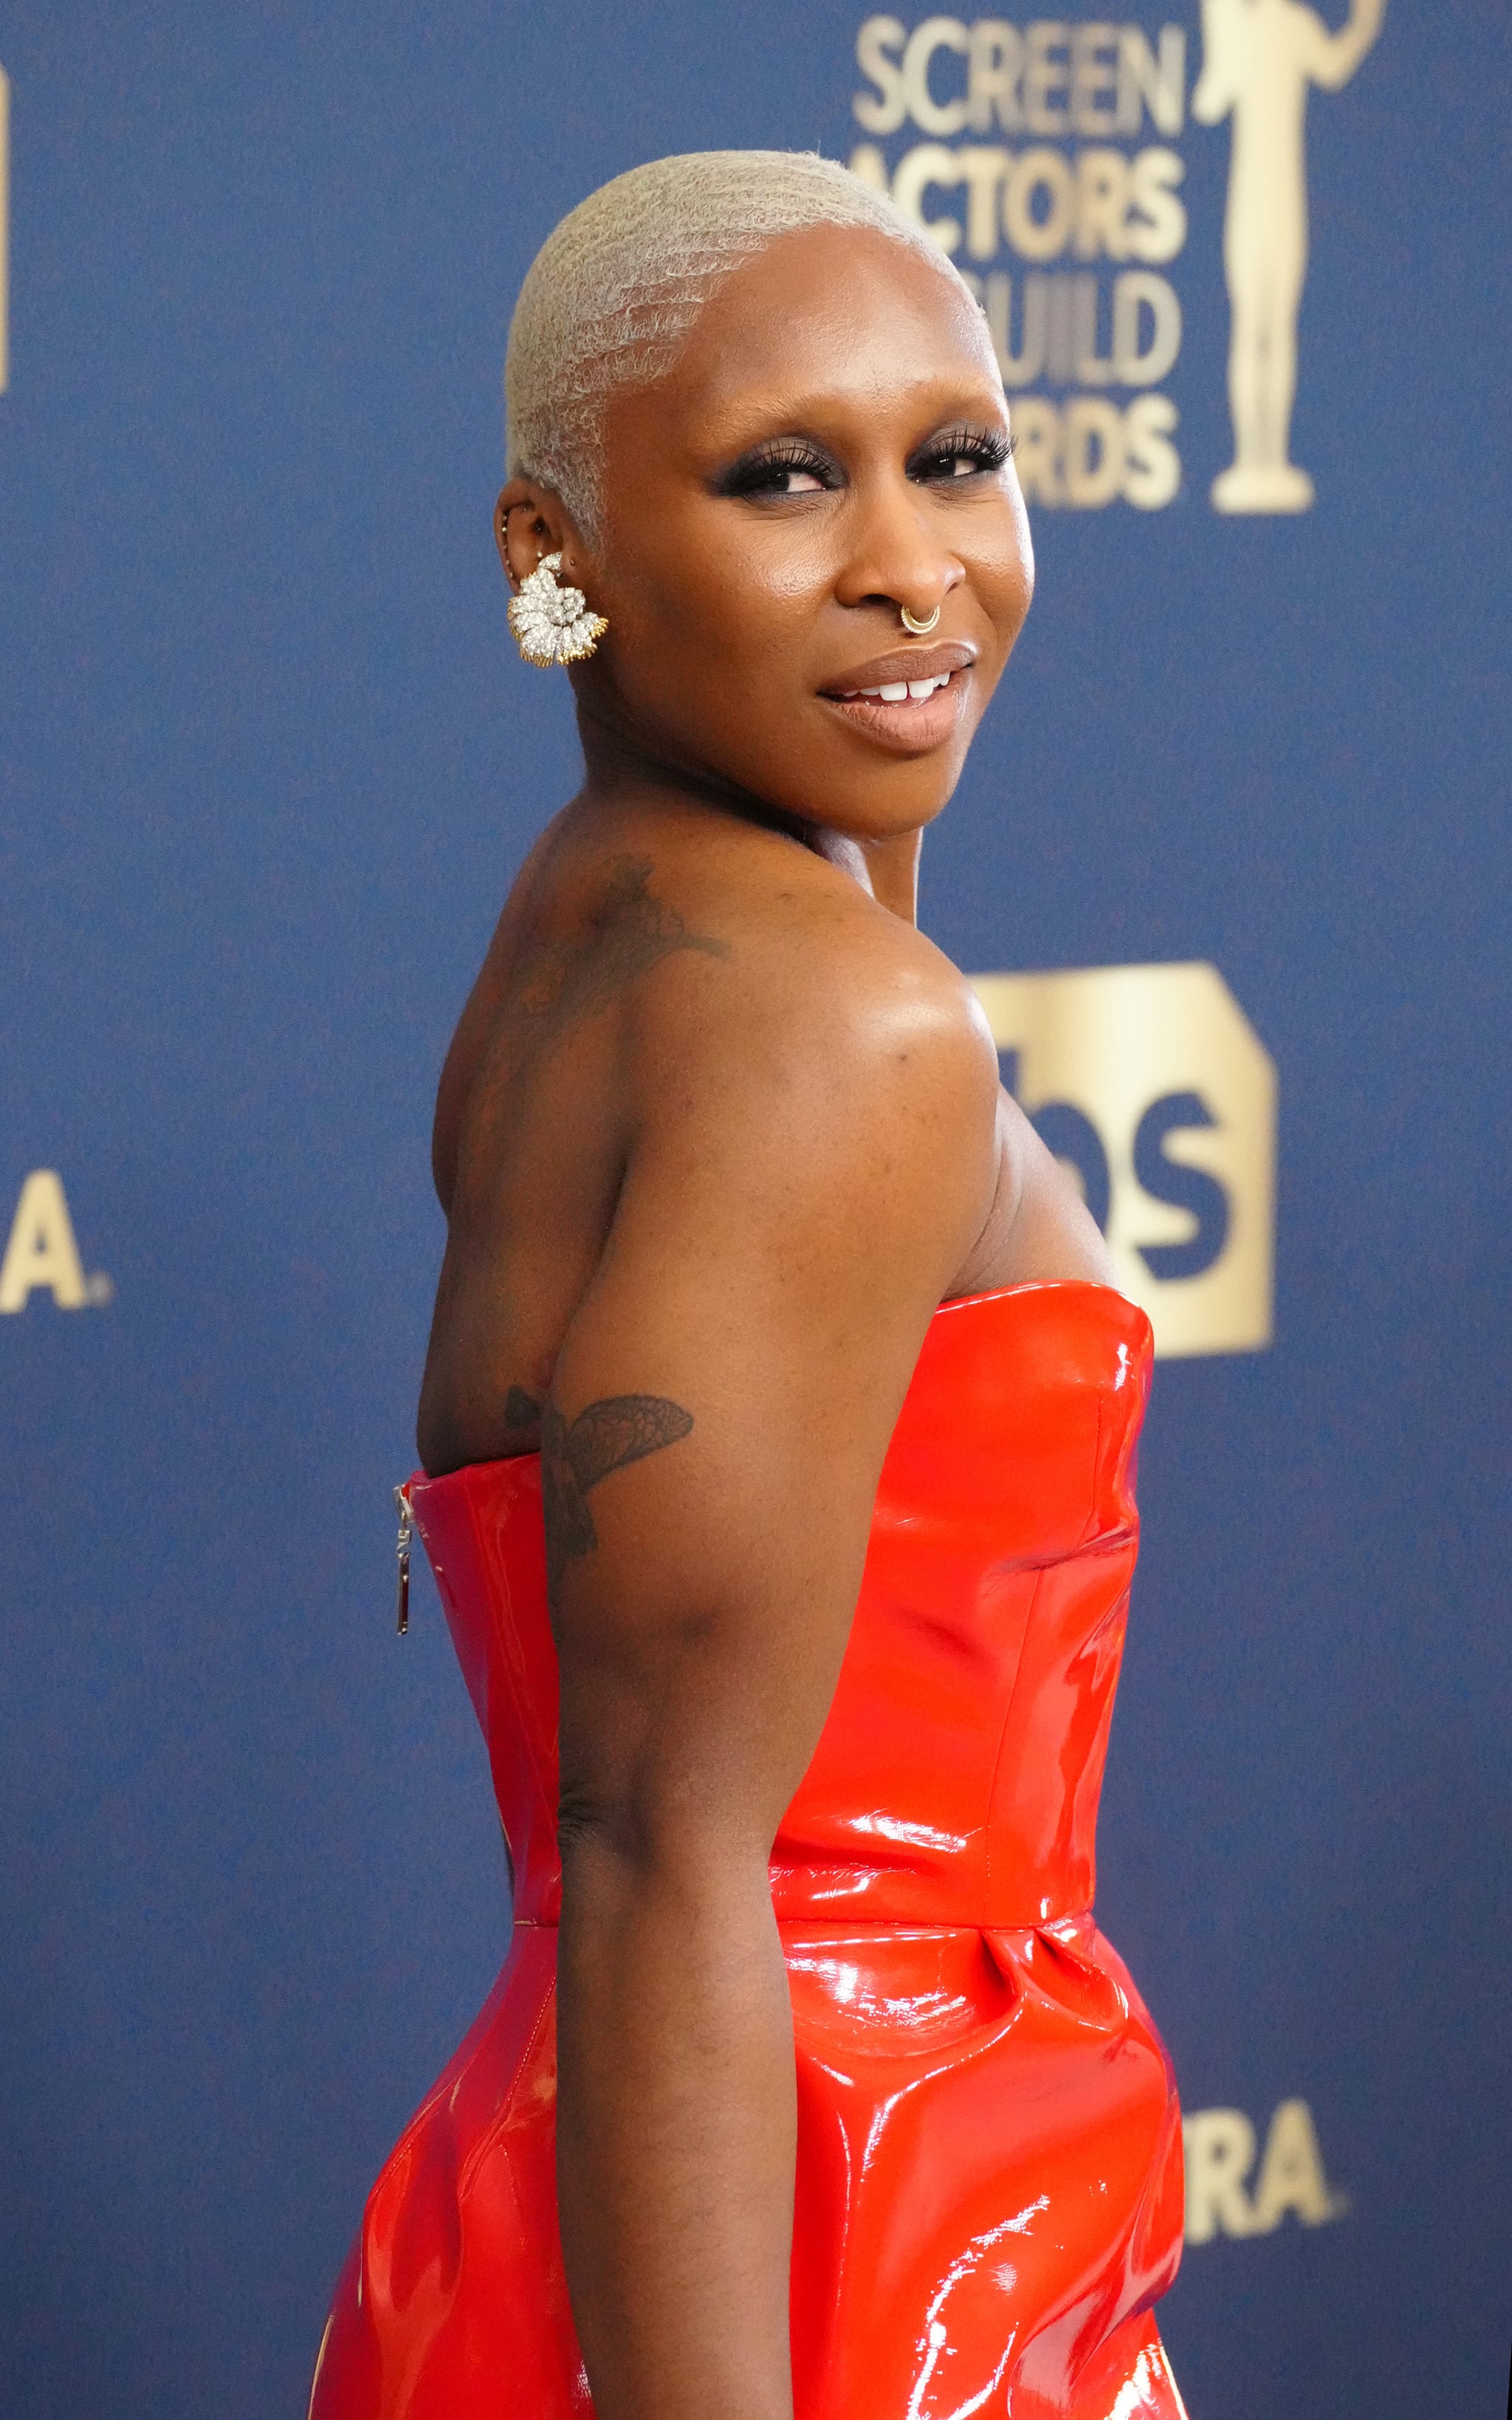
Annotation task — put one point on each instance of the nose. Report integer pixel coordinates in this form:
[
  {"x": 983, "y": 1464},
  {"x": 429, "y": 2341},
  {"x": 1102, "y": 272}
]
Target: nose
[{"x": 895, "y": 557}]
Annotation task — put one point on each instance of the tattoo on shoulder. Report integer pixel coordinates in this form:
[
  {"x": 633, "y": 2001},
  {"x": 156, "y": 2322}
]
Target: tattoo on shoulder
[
  {"x": 632, "y": 932},
  {"x": 575, "y": 1456},
  {"x": 643, "y": 928}
]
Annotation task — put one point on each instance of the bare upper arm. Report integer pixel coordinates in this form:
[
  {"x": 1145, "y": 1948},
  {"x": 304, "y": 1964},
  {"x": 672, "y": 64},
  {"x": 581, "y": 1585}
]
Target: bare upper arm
[{"x": 813, "y": 1153}]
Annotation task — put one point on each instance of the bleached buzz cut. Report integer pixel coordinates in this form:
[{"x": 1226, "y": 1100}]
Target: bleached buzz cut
[{"x": 611, "y": 296}]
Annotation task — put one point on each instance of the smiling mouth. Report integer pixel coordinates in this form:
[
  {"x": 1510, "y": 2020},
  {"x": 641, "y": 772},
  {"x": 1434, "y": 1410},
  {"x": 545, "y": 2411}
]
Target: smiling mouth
[
  {"x": 911, "y": 692},
  {"x": 904, "y": 716},
  {"x": 910, "y": 697}
]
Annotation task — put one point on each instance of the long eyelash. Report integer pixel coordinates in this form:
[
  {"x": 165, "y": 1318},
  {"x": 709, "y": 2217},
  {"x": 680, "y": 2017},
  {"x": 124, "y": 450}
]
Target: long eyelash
[
  {"x": 784, "y": 453},
  {"x": 986, "y": 447},
  {"x": 790, "y": 454}
]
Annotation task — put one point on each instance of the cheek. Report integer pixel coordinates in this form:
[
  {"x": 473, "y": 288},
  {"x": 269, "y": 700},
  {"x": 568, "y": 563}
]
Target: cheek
[
  {"x": 1021, "y": 554},
  {"x": 699, "y": 605},
  {"x": 1004, "y": 582}
]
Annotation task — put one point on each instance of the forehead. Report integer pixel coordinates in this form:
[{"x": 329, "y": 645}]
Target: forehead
[{"x": 836, "y": 313}]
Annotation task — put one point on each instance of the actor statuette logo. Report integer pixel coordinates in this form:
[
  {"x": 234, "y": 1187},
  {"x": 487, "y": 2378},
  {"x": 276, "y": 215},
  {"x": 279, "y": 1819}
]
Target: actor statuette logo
[
  {"x": 1259, "y": 58},
  {"x": 1150, "y": 1085},
  {"x": 42, "y": 1255}
]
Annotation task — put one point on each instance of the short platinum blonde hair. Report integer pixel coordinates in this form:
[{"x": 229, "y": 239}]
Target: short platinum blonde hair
[{"x": 611, "y": 296}]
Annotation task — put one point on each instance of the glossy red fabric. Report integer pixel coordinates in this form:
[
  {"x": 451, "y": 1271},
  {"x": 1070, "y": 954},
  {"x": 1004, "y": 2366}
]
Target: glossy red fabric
[{"x": 989, "y": 2184}]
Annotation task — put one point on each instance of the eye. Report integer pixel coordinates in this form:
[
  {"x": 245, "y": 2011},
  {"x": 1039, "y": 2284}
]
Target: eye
[
  {"x": 787, "y": 468},
  {"x": 961, "y": 453},
  {"x": 791, "y": 481}
]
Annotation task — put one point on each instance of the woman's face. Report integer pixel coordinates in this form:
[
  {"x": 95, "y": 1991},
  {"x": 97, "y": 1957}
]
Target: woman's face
[{"x": 831, "y": 447}]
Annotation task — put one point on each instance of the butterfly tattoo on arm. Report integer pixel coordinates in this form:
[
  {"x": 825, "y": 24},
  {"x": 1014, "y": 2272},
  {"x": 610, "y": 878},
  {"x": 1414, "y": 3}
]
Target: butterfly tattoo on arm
[{"x": 575, "y": 1456}]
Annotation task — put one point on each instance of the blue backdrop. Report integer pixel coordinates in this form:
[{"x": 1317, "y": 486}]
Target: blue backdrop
[{"x": 269, "y": 763}]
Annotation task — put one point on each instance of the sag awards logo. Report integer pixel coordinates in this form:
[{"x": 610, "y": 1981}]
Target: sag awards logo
[
  {"x": 42, "y": 1256},
  {"x": 1150, "y": 1085},
  {"x": 1066, "y": 233}
]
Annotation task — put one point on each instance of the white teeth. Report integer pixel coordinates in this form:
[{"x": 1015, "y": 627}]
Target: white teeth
[{"x": 895, "y": 692}]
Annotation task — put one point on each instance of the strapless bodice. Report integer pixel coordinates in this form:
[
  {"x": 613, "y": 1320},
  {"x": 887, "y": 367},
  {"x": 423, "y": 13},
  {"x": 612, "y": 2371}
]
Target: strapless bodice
[
  {"x": 956, "y": 1779},
  {"x": 987, "y": 2194}
]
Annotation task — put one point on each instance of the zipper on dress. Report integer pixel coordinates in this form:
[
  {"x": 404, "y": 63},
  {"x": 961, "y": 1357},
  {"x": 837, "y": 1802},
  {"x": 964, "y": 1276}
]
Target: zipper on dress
[{"x": 407, "y": 1531}]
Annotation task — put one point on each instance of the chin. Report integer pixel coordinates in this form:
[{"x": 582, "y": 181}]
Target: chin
[{"x": 886, "y": 799}]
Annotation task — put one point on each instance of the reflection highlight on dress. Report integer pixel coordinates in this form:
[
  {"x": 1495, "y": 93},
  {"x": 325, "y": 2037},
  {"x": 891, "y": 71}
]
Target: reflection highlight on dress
[{"x": 988, "y": 2180}]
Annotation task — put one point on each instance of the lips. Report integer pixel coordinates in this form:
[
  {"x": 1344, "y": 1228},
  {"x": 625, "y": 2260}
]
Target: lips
[
  {"x": 910, "y": 699},
  {"x": 902, "y": 665},
  {"x": 898, "y": 692}
]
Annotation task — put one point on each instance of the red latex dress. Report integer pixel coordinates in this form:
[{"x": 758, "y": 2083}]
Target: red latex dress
[{"x": 989, "y": 2171}]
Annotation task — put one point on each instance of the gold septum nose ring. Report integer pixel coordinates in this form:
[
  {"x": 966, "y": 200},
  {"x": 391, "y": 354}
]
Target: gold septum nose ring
[{"x": 919, "y": 629}]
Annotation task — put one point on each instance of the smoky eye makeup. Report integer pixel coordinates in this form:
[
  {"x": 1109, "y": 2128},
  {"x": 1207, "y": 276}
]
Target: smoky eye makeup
[
  {"x": 784, "y": 468},
  {"x": 961, "y": 452},
  {"x": 780, "y": 467}
]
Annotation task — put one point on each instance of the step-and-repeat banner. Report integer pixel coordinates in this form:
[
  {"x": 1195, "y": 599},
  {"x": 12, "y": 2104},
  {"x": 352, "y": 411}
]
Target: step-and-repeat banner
[{"x": 1230, "y": 868}]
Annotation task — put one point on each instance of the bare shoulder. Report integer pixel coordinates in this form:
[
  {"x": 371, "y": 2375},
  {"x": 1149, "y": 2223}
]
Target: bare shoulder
[
  {"x": 825, "y": 1062},
  {"x": 800, "y": 964}
]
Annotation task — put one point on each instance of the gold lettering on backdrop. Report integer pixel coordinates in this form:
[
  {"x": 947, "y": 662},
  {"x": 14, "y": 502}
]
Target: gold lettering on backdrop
[
  {"x": 1259, "y": 60},
  {"x": 42, "y": 1256},
  {"x": 1152, "y": 1087},
  {"x": 1073, "y": 184},
  {"x": 5, "y": 230},
  {"x": 1220, "y": 2147}
]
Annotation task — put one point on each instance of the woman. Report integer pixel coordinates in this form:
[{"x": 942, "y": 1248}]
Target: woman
[{"x": 808, "y": 2084}]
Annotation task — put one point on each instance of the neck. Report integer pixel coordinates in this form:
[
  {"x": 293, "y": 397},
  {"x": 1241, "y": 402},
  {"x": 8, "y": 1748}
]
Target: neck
[
  {"x": 888, "y": 868},
  {"x": 620, "y": 768}
]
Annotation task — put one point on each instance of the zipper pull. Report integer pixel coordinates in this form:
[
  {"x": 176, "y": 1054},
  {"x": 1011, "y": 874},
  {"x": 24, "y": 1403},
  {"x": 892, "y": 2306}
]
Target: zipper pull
[{"x": 407, "y": 1531}]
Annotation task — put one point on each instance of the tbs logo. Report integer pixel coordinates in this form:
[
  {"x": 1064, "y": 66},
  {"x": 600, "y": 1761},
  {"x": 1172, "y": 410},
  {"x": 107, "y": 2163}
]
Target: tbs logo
[{"x": 1150, "y": 1085}]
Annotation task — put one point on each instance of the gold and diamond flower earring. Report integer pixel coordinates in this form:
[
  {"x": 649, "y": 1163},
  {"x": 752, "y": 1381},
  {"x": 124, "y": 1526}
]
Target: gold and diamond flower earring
[{"x": 552, "y": 625}]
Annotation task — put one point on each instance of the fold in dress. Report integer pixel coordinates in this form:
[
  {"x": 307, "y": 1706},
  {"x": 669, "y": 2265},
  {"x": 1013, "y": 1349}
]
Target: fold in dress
[{"x": 989, "y": 2166}]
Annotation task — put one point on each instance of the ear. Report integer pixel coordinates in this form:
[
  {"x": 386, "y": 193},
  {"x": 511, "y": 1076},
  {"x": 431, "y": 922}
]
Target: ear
[{"x": 531, "y": 522}]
